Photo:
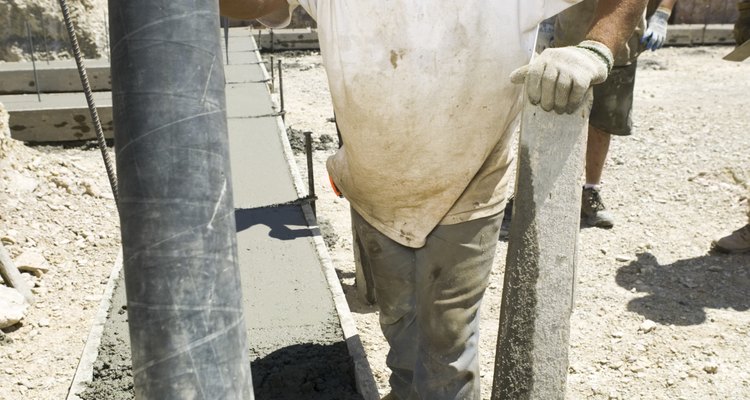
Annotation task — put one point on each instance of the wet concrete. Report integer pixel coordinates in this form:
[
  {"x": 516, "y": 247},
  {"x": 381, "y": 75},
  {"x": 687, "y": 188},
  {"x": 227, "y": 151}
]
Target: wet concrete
[{"x": 297, "y": 344}]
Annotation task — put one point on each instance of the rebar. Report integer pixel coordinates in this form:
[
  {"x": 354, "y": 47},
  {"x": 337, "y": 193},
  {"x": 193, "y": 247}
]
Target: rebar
[{"x": 101, "y": 142}]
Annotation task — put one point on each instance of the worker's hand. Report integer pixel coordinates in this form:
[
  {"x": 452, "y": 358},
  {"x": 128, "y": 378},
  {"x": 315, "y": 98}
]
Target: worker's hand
[
  {"x": 559, "y": 78},
  {"x": 742, "y": 25},
  {"x": 656, "y": 32}
]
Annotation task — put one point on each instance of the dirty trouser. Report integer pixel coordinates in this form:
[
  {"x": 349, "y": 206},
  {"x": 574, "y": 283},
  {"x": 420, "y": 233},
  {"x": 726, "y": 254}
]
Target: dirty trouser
[{"x": 429, "y": 302}]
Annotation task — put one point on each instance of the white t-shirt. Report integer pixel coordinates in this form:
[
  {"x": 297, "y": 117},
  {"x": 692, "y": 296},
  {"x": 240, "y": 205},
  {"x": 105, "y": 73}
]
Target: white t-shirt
[{"x": 424, "y": 103}]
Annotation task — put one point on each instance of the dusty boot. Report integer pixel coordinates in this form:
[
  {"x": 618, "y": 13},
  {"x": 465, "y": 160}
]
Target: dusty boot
[
  {"x": 593, "y": 212},
  {"x": 737, "y": 242}
]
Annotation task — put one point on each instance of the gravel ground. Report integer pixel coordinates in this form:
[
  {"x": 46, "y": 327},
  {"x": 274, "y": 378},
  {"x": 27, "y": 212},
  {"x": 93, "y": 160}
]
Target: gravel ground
[{"x": 657, "y": 316}]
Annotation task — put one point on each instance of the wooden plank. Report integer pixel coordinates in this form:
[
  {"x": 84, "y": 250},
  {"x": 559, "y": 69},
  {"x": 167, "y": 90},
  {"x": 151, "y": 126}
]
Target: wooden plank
[{"x": 532, "y": 347}]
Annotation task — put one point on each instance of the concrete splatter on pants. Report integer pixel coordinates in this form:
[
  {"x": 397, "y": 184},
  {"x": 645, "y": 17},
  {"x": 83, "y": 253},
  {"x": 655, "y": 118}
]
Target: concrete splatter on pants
[{"x": 429, "y": 305}]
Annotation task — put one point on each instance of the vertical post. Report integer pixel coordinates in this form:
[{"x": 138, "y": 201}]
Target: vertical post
[
  {"x": 310, "y": 172},
  {"x": 185, "y": 313},
  {"x": 531, "y": 362},
  {"x": 281, "y": 93},
  {"x": 225, "y": 21},
  {"x": 33, "y": 62},
  {"x": 273, "y": 75}
]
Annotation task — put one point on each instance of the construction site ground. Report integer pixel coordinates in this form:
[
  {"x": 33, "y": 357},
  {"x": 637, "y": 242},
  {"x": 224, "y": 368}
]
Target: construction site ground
[{"x": 657, "y": 316}]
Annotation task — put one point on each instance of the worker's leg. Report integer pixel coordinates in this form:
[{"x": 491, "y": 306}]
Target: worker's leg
[
  {"x": 392, "y": 267},
  {"x": 610, "y": 115},
  {"x": 452, "y": 273},
  {"x": 596, "y": 154}
]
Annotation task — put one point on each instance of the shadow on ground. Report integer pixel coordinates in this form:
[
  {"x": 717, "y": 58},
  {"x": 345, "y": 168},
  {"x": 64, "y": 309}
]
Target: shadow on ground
[
  {"x": 277, "y": 219},
  {"x": 679, "y": 293},
  {"x": 306, "y": 371}
]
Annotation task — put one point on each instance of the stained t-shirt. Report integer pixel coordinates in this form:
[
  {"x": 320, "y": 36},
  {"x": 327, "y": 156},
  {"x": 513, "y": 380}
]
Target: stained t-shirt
[{"x": 424, "y": 104}]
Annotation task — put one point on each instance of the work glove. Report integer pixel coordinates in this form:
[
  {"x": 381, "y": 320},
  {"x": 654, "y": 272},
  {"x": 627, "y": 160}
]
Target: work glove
[
  {"x": 742, "y": 25},
  {"x": 656, "y": 32},
  {"x": 559, "y": 78}
]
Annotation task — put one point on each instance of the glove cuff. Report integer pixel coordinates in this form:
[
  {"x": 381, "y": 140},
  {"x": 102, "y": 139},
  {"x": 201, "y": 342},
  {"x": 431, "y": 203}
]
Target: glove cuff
[
  {"x": 666, "y": 11},
  {"x": 600, "y": 50}
]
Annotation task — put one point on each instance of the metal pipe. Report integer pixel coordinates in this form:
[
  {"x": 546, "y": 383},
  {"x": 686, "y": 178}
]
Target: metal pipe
[
  {"x": 33, "y": 62},
  {"x": 185, "y": 312}
]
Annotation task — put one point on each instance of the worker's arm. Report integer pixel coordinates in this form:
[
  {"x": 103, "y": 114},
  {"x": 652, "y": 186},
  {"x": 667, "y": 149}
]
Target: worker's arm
[
  {"x": 656, "y": 30},
  {"x": 559, "y": 78},
  {"x": 252, "y": 9}
]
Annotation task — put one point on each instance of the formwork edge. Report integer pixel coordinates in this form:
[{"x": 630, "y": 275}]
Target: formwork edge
[{"x": 85, "y": 370}]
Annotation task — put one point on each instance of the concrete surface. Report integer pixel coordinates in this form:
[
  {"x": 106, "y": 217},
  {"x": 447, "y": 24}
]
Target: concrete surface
[
  {"x": 58, "y": 117},
  {"x": 52, "y": 77},
  {"x": 303, "y": 341}
]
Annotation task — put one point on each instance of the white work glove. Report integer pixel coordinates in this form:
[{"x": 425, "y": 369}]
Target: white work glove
[
  {"x": 559, "y": 78},
  {"x": 656, "y": 33}
]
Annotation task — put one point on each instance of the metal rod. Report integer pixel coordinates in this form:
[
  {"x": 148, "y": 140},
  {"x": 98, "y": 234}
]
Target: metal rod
[
  {"x": 185, "y": 310},
  {"x": 225, "y": 21},
  {"x": 281, "y": 93},
  {"x": 271, "y": 40},
  {"x": 310, "y": 175},
  {"x": 33, "y": 62},
  {"x": 273, "y": 77},
  {"x": 90, "y": 99}
]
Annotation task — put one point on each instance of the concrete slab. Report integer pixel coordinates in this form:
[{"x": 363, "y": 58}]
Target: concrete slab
[
  {"x": 685, "y": 35},
  {"x": 53, "y": 77},
  {"x": 718, "y": 34},
  {"x": 58, "y": 117},
  {"x": 255, "y": 146}
]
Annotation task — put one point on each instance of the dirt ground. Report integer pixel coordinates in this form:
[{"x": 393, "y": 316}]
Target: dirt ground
[{"x": 678, "y": 182}]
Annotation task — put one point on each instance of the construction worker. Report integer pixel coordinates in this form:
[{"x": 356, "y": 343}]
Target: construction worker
[
  {"x": 739, "y": 240},
  {"x": 426, "y": 109},
  {"x": 613, "y": 100}
]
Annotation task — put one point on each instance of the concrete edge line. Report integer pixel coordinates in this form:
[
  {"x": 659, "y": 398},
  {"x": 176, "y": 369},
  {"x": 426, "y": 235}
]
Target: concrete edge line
[
  {"x": 365, "y": 381},
  {"x": 85, "y": 370},
  {"x": 362, "y": 372}
]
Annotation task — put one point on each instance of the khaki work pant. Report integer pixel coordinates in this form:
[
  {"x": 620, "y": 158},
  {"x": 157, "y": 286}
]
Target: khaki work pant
[{"x": 429, "y": 302}]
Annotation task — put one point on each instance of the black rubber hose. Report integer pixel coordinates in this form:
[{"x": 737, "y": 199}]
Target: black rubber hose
[{"x": 187, "y": 330}]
